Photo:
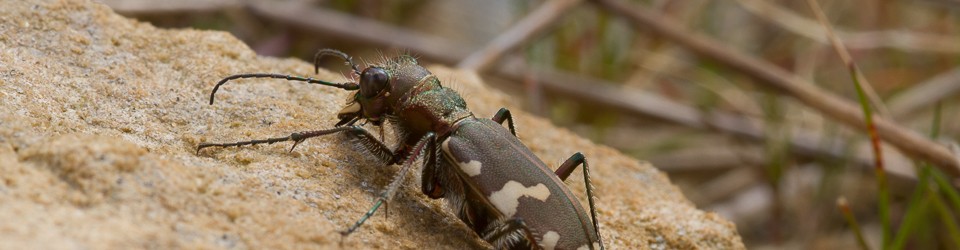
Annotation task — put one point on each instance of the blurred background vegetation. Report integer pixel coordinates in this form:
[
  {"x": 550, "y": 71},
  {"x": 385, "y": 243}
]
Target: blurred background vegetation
[{"x": 753, "y": 154}]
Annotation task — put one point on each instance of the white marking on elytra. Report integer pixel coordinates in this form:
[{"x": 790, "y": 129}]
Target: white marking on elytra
[
  {"x": 471, "y": 168},
  {"x": 550, "y": 240},
  {"x": 596, "y": 245},
  {"x": 508, "y": 198},
  {"x": 445, "y": 145}
]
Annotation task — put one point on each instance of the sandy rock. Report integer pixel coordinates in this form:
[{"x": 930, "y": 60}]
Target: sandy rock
[{"x": 100, "y": 116}]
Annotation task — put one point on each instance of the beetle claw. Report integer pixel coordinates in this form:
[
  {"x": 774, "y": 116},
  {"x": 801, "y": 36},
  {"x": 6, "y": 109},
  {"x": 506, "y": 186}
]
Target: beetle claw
[{"x": 295, "y": 143}]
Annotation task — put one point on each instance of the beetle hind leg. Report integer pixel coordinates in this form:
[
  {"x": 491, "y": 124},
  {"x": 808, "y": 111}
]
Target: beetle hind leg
[
  {"x": 510, "y": 234},
  {"x": 504, "y": 115},
  {"x": 564, "y": 171}
]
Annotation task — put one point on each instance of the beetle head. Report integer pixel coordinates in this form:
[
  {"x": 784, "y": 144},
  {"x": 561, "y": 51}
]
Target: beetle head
[{"x": 382, "y": 87}]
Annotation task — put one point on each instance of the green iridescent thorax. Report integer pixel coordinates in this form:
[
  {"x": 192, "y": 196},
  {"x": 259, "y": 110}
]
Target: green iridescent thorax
[{"x": 419, "y": 97}]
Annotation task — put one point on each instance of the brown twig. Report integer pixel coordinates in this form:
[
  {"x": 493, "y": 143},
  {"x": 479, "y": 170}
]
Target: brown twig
[
  {"x": 707, "y": 159},
  {"x": 806, "y": 92},
  {"x": 726, "y": 185},
  {"x": 533, "y": 24},
  {"x": 344, "y": 26}
]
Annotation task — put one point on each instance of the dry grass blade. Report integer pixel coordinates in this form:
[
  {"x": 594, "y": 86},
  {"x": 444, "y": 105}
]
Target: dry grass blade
[
  {"x": 848, "y": 60},
  {"x": 533, "y": 24},
  {"x": 346, "y": 27},
  {"x": 926, "y": 93}
]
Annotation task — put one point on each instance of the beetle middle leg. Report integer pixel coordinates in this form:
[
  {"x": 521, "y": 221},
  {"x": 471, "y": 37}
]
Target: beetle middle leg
[
  {"x": 426, "y": 146},
  {"x": 564, "y": 171}
]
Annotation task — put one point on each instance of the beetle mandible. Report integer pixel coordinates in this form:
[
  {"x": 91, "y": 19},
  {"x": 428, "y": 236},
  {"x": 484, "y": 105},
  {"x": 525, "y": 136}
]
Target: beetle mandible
[{"x": 494, "y": 183}]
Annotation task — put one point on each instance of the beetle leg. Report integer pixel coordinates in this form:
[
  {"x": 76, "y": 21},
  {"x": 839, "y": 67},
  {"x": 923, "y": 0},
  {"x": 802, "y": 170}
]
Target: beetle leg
[
  {"x": 367, "y": 140},
  {"x": 376, "y": 146},
  {"x": 429, "y": 182},
  {"x": 504, "y": 114},
  {"x": 505, "y": 234},
  {"x": 418, "y": 150},
  {"x": 564, "y": 171}
]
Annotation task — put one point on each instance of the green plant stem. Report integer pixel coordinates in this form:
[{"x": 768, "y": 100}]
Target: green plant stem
[
  {"x": 916, "y": 212},
  {"x": 852, "y": 221},
  {"x": 915, "y": 208},
  {"x": 883, "y": 188},
  {"x": 935, "y": 127},
  {"x": 949, "y": 221},
  {"x": 947, "y": 188}
]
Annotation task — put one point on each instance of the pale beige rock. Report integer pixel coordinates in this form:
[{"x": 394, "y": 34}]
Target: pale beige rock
[{"x": 100, "y": 116}]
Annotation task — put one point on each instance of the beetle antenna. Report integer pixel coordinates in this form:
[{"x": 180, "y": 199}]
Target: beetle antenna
[
  {"x": 345, "y": 86},
  {"x": 333, "y": 52}
]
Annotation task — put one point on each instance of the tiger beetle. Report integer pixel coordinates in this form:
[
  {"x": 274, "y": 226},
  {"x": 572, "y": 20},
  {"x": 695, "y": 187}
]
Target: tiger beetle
[{"x": 494, "y": 183}]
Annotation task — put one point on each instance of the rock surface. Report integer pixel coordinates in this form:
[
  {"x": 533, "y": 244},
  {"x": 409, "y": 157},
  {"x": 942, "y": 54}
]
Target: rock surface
[{"x": 100, "y": 116}]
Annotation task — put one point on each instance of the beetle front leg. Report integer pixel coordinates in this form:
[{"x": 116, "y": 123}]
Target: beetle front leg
[
  {"x": 367, "y": 140},
  {"x": 564, "y": 171},
  {"x": 427, "y": 145},
  {"x": 504, "y": 115}
]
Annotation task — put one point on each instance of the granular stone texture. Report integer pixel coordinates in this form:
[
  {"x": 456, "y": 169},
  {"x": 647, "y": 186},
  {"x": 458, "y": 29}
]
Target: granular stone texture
[{"x": 100, "y": 117}]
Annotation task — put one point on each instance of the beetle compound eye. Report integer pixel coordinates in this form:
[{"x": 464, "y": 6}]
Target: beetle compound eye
[{"x": 373, "y": 81}]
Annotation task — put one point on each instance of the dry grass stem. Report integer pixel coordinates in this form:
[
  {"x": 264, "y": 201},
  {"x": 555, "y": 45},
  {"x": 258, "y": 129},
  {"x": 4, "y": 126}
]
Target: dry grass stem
[
  {"x": 926, "y": 93},
  {"x": 848, "y": 60},
  {"x": 534, "y": 24}
]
